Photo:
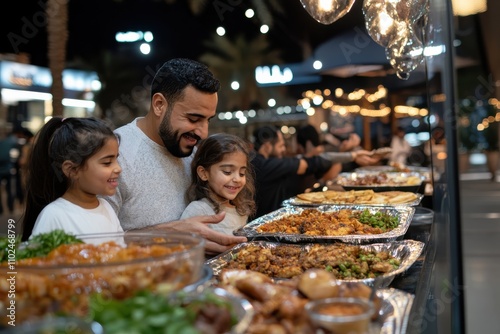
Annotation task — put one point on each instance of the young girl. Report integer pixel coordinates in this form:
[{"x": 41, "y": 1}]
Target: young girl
[
  {"x": 222, "y": 181},
  {"x": 72, "y": 161}
]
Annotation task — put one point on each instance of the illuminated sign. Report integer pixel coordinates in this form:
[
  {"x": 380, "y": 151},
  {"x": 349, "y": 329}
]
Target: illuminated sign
[
  {"x": 24, "y": 76},
  {"x": 134, "y": 36},
  {"x": 267, "y": 75}
]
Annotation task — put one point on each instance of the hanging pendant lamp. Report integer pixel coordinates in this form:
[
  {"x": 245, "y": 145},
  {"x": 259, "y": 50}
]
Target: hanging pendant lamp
[{"x": 327, "y": 11}]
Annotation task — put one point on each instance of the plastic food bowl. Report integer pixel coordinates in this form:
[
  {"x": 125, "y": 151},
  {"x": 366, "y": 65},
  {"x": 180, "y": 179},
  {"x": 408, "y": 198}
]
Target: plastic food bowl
[
  {"x": 341, "y": 315},
  {"x": 116, "y": 265},
  {"x": 241, "y": 309},
  {"x": 422, "y": 216}
]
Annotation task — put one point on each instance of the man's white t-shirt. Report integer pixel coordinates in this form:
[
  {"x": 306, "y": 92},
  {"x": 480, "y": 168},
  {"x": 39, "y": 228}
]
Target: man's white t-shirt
[{"x": 153, "y": 183}]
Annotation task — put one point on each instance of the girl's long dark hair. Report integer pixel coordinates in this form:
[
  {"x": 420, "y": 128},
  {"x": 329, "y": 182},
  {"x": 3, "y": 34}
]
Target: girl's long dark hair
[
  {"x": 211, "y": 151},
  {"x": 59, "y": 140}
]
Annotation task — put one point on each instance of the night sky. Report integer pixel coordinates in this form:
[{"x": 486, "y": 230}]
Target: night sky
[
  {"x": 178, "y": 33},
  {"x": 93, "y": 24}
]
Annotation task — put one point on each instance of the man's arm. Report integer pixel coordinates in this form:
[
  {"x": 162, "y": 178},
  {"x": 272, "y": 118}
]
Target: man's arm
[
  {"x": 216, "y": 242},
  {"x": 302, "y": 167}
]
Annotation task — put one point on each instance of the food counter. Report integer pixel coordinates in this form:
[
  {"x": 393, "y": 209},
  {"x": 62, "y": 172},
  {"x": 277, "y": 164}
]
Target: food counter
[
  {"x": 413, "y": 279},
  {"x": 394, "y": 241},
  {"x": 416, "y": 280}
]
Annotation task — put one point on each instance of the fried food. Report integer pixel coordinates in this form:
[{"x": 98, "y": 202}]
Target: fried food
[
  {"x": 80, "y": 270},
  {"x": 358, "y": 197},
  {"x": 399, "y": 197},
  {"x": 336, "y": 223},
  {"x": 342, "y": 260},
  {"x": 317, "y": 284},
  {"x": 279, "y": 306}
]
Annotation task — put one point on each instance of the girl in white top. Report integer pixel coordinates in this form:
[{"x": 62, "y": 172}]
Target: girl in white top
[
  {"x": 72, "y": 161},
  {"x": 222, "y": 181}
]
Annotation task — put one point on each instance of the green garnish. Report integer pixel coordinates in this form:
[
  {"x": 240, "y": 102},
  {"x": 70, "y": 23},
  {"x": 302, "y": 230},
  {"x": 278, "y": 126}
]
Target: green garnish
[
  {"x": 147, "y": 312},
  {"x": 8, "y": 245},
  {"x": 39, "y": 245},
  {"x": 378, "y": 219}
]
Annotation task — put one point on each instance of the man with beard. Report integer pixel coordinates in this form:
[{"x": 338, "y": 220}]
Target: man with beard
[
  {"x": 277, "y": 177},
  {"x": 156, "y": 152}
]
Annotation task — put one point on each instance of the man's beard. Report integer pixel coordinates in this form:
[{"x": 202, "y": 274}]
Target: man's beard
[{"x": 172, "y": 140}]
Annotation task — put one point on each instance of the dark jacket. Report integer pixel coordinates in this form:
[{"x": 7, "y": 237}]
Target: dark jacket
[{"x": 276, "y": 179}]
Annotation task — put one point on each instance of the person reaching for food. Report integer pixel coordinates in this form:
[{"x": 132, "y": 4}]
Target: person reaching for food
[
  {"x": 309, "y": 144},
  {"x": 350, "y": 143},
  {"x": 222, "y": 181},
  {"x": 72, "y": 161},
  {"x": 278, "y": 177}
]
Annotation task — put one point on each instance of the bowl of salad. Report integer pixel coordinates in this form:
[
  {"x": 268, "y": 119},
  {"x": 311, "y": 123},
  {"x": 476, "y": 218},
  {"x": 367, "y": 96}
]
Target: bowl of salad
[{"x": 211, "y": 311}]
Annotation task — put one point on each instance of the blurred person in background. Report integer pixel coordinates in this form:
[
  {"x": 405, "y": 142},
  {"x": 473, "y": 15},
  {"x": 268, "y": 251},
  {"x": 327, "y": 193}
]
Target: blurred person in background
[
  {"x": 401, "y": 149},
  {"x": 7, "y": 144},
  {"x": 24, "y": 158},
  {"x": 309, "y": 144},
  {"x": 277, "y": 178},
  {"x": 350, "y": 143},
  {"x": 23, "y": 147}
]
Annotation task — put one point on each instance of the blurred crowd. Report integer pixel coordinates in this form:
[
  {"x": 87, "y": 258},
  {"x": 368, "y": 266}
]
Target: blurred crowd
[{"x": 14, "y": 153}]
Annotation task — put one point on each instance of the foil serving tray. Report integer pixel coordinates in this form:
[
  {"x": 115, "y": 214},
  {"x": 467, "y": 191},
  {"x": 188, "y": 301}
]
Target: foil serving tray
[
  {"x": 295, "y": 201},
  {"x": 407, "y": 251},
  {"x": 405, "y": 214},
  {"x": 392, "y": 317},
  {"x": 349, "y": 181},
  {"x": 394, "y": 313},
  {"x": 426, "y": 172}
]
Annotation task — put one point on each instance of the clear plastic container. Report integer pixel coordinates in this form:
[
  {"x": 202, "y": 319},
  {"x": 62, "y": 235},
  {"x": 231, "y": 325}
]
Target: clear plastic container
[
  {"x": 422, "y": 216},
  {"x": 116, "y": 265},
  {"x": 341, "y": 315}
]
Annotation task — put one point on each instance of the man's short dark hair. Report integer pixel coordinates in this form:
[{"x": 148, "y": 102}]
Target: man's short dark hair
[
  {"x": 264, "y": 135},
  {"x": 176, "y": 74},
  {"x": 308, "y": 132}
]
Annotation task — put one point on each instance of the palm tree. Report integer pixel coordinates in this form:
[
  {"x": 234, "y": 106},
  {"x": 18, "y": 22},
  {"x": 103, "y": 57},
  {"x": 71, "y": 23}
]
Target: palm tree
[
  {"x": 236, "y": 61},
  {"x": 57, "y": 32},
  {"x": 121, "y": 99},
  {"x": 263, "y": 8},
  {"x": 240, "y": 54}
]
